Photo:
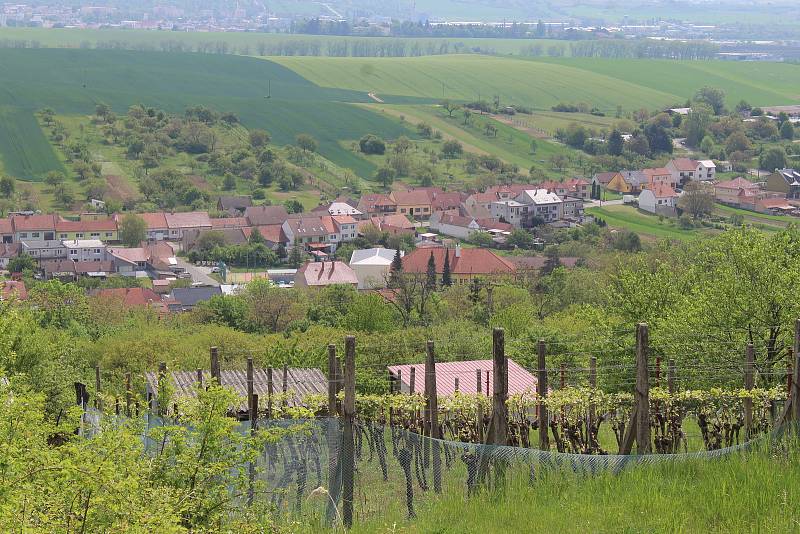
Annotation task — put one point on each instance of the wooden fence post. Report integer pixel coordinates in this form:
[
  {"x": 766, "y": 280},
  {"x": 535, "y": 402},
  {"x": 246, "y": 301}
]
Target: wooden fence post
[
  {"x": 128, "y": 394},
  {"x": 285, "y": 385},
  {"x": 250, "y": 386},
  {"x": 269, "y": 392},
  {"x": 498, "y": 427},
  {"x": 432, "y": 405},
  {"x": 215, "y": 371},
  {"x": 749, "y": 359},
  {"x": 593, "y": 386},
  {"x": 478, "y": 382},
  {"x": 642, "y": 390},
  {"x": 479, "y": 408},
  {"x": 162, "y": 377},
  {"x": 199, "y": 376},
  {"x": 455, "y": 385},
  {"x": 253, "y": 407},
  {"x": 541, "y": 392},
  {"x": 412, "y": 381},
  {"x": 349, "y": 409},
  {"x": 332, "y": 378},
  {"x": 671, "y": 377},
  {"x": 97, "y": 402},
  {"x": 399, "y": 382}
]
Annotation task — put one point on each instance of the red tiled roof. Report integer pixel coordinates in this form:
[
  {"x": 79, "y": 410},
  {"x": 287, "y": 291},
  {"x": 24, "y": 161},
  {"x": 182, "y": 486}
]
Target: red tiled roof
[
  {"x": 415, "y": 197},
  {"x": 494, "y": 224},
  {"x": 229, "y": 222},
  {"x": 9, "y": 250},
  {"x": 6, "y": 227},
  {"x": 154, "y": 221},
  {"x": 270, "y": 232},
  {"x": 266, "y": 215},
  {"x": 13, "y": 289},
  {"x": 327, "y": 223},
  {"x": 131, "y": 296},
  {"x": 24, "y": 223},
  {"x": 663, "y": 191},
  {"x": 660, "y": 171},
  {"x": 189, "y": 219},
  {"x": 779, "y": 203},
  {"x": 605, "y": 177},
  {"x": 484, "y": 198},
  {"x": 470, "y": 261},
  {"x": 327, "y": 273},
  {"x": 445, "y": 201},
  {"x": 685, "y": 164},
  {"x": 398, "y": 220},
  {"x": 103, "y": 225},
  {"x": 520, "y": 381},
  {"x": 737, "y": 183}
]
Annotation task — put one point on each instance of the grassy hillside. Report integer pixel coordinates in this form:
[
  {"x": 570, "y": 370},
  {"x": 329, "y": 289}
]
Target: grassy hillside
[
  {"x": 73, "y": 81},
  {"x": 540, "y": 83}
]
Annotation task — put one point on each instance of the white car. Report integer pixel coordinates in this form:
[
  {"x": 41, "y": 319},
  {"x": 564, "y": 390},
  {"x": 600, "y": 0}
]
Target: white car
[{"x": 215, "y": 269}]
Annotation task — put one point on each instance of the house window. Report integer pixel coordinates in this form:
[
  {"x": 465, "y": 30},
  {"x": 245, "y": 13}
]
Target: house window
[
  {"x": 62, "y": 236},
  {"x": 78, "y": 235},
  {"x": 109, "y": 234},
  {"x": 417, "y": 210},
  {"x": 73, "y": 252},
  {"x": 35, "y": 234},
  {"x": 97, "y": 251},
  {"x": 23, "y": 235},
  {"x": 95, "y": 234},
  {"x": 402, "y": 210}
]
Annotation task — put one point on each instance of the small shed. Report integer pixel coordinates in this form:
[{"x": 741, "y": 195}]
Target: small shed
[
  {"x": 299, "y": 383},
  {"x": 519, "y": 380}
]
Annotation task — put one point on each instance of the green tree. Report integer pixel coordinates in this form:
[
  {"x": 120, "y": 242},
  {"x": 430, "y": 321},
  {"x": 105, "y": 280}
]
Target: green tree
[
  {"x": 307, "y": 143},
  {"x": 54, "y": 178},
  {"x": 22, "y": 263},
  {"x": 450, "y": 107},
  {"x": 229, "y": 182},
  {"x": 259, "y": 138},
  {"x": 713, "y": 97},
  {"x": 385, "y": 175},
  {"x": 396, "y": 268},
  {"x": 615, "y": 143},
  {"x": 787, "y": 131},
  {"x": 520, "y": 238},
  {"x": 697, "y": 200},
  {"x": 772, "y": 158},
  {"x": 132, "y": 230},
  {"x": 447, "y": 279},
  {"x": 452, "y": 149},
  {"x": 695, "y": 125},
  {"x": 707, "y": 145},
  {"x": 7, "y": 186},
  {"x": 737, "y": 142},
  {"x": 430, "y": 274}
]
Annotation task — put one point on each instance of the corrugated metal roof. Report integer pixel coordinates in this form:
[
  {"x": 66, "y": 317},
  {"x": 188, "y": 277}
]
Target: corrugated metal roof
[
  {"x": 519, "y": 380},
  {"x": 300, "y": 382}
]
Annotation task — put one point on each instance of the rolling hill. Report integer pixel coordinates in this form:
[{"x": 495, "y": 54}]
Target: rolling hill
[{"x": 73, "y": 81}]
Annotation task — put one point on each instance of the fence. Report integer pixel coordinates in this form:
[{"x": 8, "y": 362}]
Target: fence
[{"x": 366, "y": 454}]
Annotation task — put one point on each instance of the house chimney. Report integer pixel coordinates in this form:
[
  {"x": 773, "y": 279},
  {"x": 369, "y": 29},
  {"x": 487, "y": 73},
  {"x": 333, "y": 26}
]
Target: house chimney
[{"x": 458, "y": 251}]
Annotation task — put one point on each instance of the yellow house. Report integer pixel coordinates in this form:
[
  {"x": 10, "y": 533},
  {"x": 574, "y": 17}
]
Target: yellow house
[
  {"x": 104, "y": 230},
  {"x": 627, "y": 182},
  {"x": 416, "y": 203}
]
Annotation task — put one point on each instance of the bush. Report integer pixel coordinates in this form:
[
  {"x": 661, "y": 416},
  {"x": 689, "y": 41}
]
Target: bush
[
  {"x": 372, "y": 144},
  {"x": 566, "y": 108}
]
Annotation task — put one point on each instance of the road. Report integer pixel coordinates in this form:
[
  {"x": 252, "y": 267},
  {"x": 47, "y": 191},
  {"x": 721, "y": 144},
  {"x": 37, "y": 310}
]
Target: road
[{"x": 199, "y": 274}]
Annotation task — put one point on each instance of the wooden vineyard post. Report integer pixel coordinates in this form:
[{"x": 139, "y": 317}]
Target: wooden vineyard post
[
  {"x": 199, "y": 375},
  {"x": 432, "y": 415},
  {"x": 455, "y": 384},
  {"x": 215, "y": 372},
  {"x": 97, "y": 402},
  {"x": 253, "y": 427},
  {"x": 128, "y": 394},
  {"x": 348, "y": 409},
  {"x": 671, "y": 377},
  {"x": 498, "y": 427},
  {"x": 285, "y": 387},
  {"x": 749, "y": 359},
  {"x": 161, "y": 399},
  {"x": 541, "y": 391},
  {"x": 269, "y": 392},
  {"x": 332, "y": 378},
  {"x": 399, "y": 382},
  {"x": 642, "y": 390},
  {"x": 412, "y": 381},
  {"x": 250, "y": 387},
  {"x": 593, "y": 386}
]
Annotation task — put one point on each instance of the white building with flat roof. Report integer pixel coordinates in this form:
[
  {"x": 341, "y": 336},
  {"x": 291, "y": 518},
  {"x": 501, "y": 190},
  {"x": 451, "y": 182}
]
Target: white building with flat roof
[{"x": 372, "y": 266}]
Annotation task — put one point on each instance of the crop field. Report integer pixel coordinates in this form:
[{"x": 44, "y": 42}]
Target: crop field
[
  {"x": 540, "y": 83},
  {"x": 73, "y": 81}
]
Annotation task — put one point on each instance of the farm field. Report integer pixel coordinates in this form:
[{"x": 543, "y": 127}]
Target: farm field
[
  {"x": 74, "y": 81},
  {"x": 542, "y": 82}
]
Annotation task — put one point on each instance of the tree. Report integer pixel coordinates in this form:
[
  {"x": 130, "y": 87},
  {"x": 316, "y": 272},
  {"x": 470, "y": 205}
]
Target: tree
[
  {"x": 372, "y": 144},
  {"x": 558, "y": 161},
  {"x": 659, "y": 138},
  {"x": 772, "y": 158},
  {"x": 450, "y": 107},
  {"x": 639, "y": 145},
  {"x": 713, "y": 97},
  {"x": 259, "y": 138},
  {"x": 53, "y": 178},
  {"x": 401, "y": 145},
  {"x": 615, "y": 143},
  {"x": 425, "y": 130},
  {"x": 737, "y": 142},
  {"x": 385, "y": 175},
  {"x": 102, "y": 110},
  {"x": 22, "y": 263},
  {"x": 306, "y": 142},
  {"x": 430, "y": 274},
  {"x": 787, "y": 131},
  {"x": 229, "y": 182},
  {"x": 452, "y": 149},
  {"x": 695, "y": 124},
  {"x": 707, "y": 145},
  {"x": 132, "y": 230},
  {"x": 7, "y": 186},
  {"x": 395, "y": 269},
  {"x": 447, "y": 279},
  {"x": 82, "y": 169},
  {"x": 64, "y": 195},
  {"x": 520, "y": 238},
  {"x": 697, "y": 200},
  {"x": 293, "y": 205}
]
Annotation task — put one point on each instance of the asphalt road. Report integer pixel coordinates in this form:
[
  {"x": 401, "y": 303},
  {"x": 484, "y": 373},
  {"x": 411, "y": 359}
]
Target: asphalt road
[{"x": 199, "y": 274}]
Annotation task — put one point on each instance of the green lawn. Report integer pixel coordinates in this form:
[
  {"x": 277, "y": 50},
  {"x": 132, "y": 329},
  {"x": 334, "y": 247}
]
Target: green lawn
[
  {"x": 752, "y": 215},
  {"x": 26, "y": 152},
  {"x": 630, "y": 218}
]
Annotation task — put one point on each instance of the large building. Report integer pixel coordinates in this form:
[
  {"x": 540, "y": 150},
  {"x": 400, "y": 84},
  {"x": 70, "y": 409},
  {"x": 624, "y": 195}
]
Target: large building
[{"x": 465, "y": 263}]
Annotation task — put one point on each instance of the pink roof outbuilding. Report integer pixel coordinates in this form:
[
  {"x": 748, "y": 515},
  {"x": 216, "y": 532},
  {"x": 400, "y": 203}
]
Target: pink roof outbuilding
[{"x": 519, "y": 380}]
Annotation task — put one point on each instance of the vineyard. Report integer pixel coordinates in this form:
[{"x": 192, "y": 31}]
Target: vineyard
[{"x": 368, "y": 452}]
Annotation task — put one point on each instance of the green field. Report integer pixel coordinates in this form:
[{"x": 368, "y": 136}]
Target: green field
[
  {"x": 634, "y": 220},
  {"x": 541, "y": 83},
  {"x": 25, "y": 150},
  {"x": 73, "y": 81}
]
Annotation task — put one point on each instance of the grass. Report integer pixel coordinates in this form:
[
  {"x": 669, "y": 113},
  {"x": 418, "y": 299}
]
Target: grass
[
  {"x": 73, "y": 81},
  {"x": 634, "y": 220},
  {"x": 748, "y": 492},
  {"x": 754, "y": 216},
  {"x": 25, "y": 149}
]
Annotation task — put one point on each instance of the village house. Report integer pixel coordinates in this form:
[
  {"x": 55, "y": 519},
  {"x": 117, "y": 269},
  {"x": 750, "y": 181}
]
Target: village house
[
  {"x": 572, "y": 208},
  {"x": 70, "y": 271},
  {"x": 685, "y": 170},
  {"x": 542, "y": 204},
  {"x": 325, "y": 273},
  {"x": 129, "y": 297},
  {"x": 480, "y": 204},
  {"x": 44, "y": 250},
  {"x": 372, "y": 266},
  {"x": 307, "y": 231},
  {"x": 733, "y": 192},
  {"x": 602, "y": 179},
  {"x": 376, "y": 204},
  {"x": 336, "y": 209},
  {"x": 183, "y": 299},
  {"x": 657, "y": 177},
  {"x": 234, "y": 205},
  {"x": 465, "y": 263},
  {"x": 156, "y": 223},
  {"x": 85, "y": 250},
  {"x": 34, "y": 227},
  {"x": 6, "y": 231},
  {"x": 104, "y": 229},
  {"x": 510, "y": 211},
  {"x": 266, "y": 215},
  {"x": 224, "y": 223},
  {"x": 414, "y": 202},
  {"x": 340, "y": 228},
  {"x": 775, "y": 206},
  {"x": 628, "y": 182},
  {"x": 154, "y": 260},
  {"x": 177, "y": 223},
  {"x": 8, "y": 251},
  {"x": 272, "y": 234},
  {"x": 786, "y": 181},
  {"x": 447, "y": 201},
  {"x": 659, "y": 199}
]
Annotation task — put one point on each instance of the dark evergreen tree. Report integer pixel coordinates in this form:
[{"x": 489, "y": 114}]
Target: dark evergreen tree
[
  {"x": 615, "y": 143},
  {"x": 396, "y": 268},
  {"x": 447, "y": 280},
  {"x": 430, "y": 275}
]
